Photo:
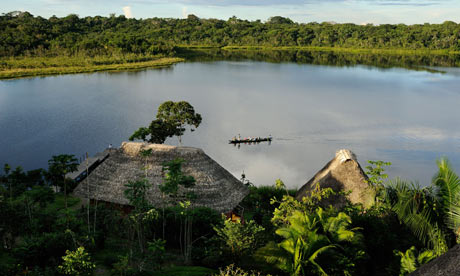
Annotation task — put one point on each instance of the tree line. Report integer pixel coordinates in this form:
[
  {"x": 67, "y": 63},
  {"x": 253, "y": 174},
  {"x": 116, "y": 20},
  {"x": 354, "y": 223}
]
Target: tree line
[{"x": 25, "y": 34}]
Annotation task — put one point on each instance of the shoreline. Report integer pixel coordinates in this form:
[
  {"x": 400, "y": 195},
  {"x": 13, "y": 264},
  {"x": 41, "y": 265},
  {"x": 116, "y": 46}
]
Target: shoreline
[
  {"x": 23, "y": 67},
  {"x": 15, "y": 73},
  {"x": 395, "y": 51}
]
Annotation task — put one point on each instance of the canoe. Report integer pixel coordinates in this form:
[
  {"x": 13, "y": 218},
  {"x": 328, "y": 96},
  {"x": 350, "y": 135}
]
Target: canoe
[{"x": 252, "y": 140}]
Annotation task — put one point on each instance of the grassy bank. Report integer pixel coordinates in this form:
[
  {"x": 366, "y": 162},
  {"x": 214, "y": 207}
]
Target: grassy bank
[{"x": 43, "y": 66}]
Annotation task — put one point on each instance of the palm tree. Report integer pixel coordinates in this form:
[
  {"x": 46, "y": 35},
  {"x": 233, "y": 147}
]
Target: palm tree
[
  {"x": 432, "y": 213},
  {"x": 306, "y": 237},
  {"x": 448, "y": 183}
]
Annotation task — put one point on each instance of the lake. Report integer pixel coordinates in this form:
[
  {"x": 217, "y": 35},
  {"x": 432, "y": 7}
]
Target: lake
[{"x": 408, "y": 117}]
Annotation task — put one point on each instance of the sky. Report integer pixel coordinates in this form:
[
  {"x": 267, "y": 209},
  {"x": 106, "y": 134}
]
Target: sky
[{"x": 302, "y": 11}]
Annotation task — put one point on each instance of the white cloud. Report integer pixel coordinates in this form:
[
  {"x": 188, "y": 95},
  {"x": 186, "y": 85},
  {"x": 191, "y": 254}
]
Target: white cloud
[
  {"x": 425, "y": 133},
  {"x": 127, "y": 12}
]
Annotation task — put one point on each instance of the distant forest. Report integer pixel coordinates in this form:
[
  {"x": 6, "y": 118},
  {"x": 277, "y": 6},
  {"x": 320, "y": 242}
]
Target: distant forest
[{"x": 23, "y": 34}]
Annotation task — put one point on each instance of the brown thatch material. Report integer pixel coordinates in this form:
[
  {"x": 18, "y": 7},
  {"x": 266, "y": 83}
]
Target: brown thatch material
[
  {"x": 343, "y": 173},
  {"x": 215, "y": 187},
  {"x": 447, "y": 264}
]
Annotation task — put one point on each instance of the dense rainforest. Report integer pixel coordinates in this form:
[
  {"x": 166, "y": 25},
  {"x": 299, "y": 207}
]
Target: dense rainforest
[{"x": 23, "y": 34}]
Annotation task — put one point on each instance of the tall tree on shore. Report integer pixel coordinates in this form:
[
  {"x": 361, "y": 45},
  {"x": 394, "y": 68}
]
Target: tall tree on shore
[{"x": 171, "y": 120}]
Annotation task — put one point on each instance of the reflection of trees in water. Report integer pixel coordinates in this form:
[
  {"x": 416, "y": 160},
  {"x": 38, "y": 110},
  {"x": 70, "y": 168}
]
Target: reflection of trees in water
[{"x": 324, "y": 58}]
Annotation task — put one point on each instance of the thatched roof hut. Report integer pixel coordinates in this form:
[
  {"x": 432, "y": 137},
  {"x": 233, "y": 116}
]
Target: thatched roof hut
[
  {"x": 447, "y": 264},
  {"x": 343, "y": 173},
  {"x": 215, "y": 187}
]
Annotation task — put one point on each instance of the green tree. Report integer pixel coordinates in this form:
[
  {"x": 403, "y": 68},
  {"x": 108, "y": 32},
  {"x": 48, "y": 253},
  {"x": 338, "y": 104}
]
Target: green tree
[
  {"x": 172, "y": 119},
  {"x": 179, "y": 114},
  {"x": 77, "y": 263},
  {"x": 136, "y": 193},
  {"x": 376, "y": 173},
  {"x": 174, "y": 179},
  {"x": 156, "y": 133}
]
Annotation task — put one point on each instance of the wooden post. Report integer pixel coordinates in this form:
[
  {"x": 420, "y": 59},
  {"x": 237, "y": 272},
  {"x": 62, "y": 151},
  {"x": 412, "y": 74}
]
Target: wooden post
[{"x": 87, "y": 191}]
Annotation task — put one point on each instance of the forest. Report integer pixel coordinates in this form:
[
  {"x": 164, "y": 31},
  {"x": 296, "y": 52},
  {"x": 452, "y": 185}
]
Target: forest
[
  {"x": 26, "y": 35},
  {"x": 44, "y": 232}
]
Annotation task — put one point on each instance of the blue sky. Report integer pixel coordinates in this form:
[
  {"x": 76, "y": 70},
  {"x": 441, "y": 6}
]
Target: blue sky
[{"x": 341, "y": 11}]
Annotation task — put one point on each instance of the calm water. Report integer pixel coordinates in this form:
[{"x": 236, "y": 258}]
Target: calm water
[{"x": 407, "y": 117}]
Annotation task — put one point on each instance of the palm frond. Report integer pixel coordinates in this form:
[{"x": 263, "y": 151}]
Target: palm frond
[
  {"x": 407, "y": 199},
  {"x": 448, "y": 184}
]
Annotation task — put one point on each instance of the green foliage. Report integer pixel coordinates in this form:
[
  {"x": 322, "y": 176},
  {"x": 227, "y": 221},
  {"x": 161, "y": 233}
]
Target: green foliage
[
  {"x": 382, "y": 235},
  {"x": 156, "y": 253},
  {"x": 77, "y": 263},
  {"x": 94, "y": 36},
  {"x": 184, "y": 271},
  {"x": 174, "y": 178},
  {"x": 19, "y": 67},
  {"x": 289, "y": 204},
  {"x": 172, "y": 117},
  {"x": 40, "y": 195},
  {"x": 156, "y": 133},
  {"x": 306, "y": 237},
  {"x": 376, "y": 172},
  {"x": 179, "y": 114},
  {"x": 122, "y": 267},
  {"x": 429, "y": 212},
  {"x": 42, "y": 250},
  {"x": 232, "y": 270},
  {"x": 411, "y": 259},
  {"x": 136, "y": 193},
  {"x": 60, "y": 165},
  {"x": 416, "y": 208},
  {"x": 240, "y": 238},
  {"x": 377, "y": 176},
  {"x": 448, "y": 184},
  {"x": 279, "y": 184}
]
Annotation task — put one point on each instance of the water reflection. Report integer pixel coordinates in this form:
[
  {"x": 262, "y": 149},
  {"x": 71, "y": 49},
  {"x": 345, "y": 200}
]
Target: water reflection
[
  {"x": 414, "y": 62},
  {"x": 407, "y": 117}
]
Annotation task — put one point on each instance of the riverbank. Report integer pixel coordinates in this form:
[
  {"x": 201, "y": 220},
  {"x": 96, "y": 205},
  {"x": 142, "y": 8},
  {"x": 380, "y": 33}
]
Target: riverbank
[
  {"x": 19, "y": 67},
  {"x": 394, "y": 51},
  {"x": 40, "y": 66}
]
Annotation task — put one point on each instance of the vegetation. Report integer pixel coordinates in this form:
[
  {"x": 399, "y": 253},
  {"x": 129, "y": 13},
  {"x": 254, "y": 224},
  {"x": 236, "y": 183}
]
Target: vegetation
[
  {"x": 32, "y": 46},
  {"x": 278, "y": 235},
  {"x": 77, "y": 263},
  {"x": 240, "y": 238},
  {"x": 430, "y": 212},
  {"x": 172, "y": 118},
  {"x": 411, "y": 259},
  {"x": 25, "y": 35},
  {"x": 39, "y": 66}
]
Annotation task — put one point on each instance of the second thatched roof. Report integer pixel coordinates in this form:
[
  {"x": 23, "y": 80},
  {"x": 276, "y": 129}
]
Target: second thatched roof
[
  {"x": 342, "y": 173},
  {"x": 215, "y": 187}
]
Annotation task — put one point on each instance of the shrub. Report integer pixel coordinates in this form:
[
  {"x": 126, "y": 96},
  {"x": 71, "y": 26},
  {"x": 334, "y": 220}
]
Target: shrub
[{"x": 77, "y": 263}]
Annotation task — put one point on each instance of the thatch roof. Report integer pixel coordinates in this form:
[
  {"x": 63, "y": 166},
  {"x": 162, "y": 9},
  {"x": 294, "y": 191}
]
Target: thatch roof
[
  {"x": 343, "y": 173},
  {"x": 447, "y": 264},
  {"x": 215, "y": 187}
]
